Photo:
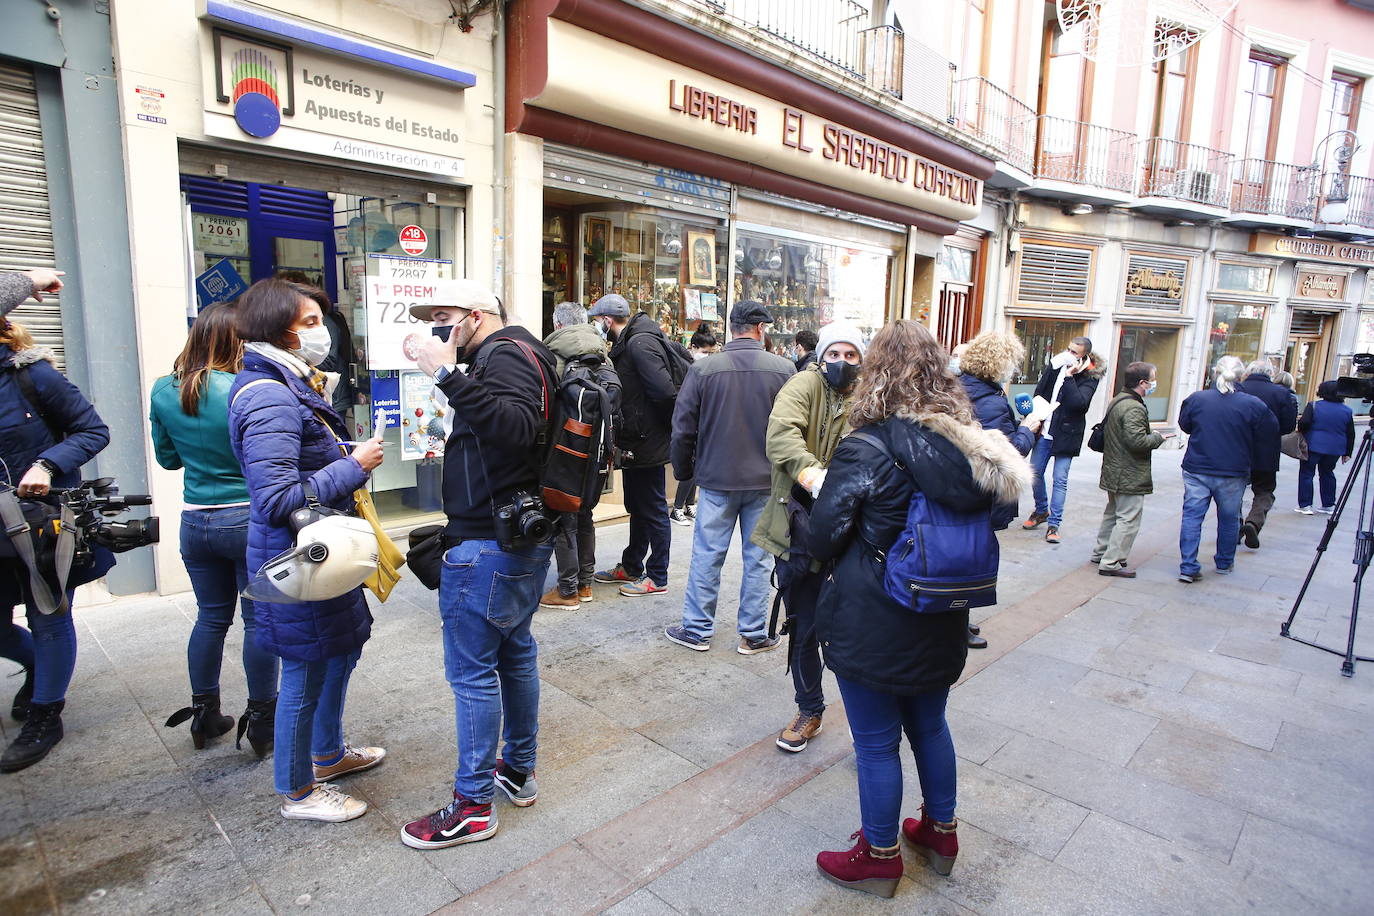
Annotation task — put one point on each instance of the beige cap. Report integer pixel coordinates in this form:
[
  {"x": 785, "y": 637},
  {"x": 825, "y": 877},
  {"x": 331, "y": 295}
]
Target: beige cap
[{"x": 468, "y": 295}]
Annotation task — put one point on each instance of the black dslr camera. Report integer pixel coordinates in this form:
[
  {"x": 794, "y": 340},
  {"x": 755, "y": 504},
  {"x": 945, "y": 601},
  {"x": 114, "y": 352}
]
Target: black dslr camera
[
  {"x": 523, "y": 523},
  {"x": 96, "y": 501},
  {"x": 1361, "y": 384}
]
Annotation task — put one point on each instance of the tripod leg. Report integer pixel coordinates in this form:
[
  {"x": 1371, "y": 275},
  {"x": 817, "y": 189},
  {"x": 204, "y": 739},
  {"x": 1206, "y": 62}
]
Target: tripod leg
[
  {"x": 1362, "y": 463},
  {"x": 1364, "y": 549}
]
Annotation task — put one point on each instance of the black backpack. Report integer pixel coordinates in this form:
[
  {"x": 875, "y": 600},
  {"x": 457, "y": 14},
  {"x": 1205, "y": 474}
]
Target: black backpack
[
  {"x": 679, "y": 361},
  {"x": 580, "y": 449}
]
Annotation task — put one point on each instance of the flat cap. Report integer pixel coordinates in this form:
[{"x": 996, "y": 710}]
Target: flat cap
[
  {"x": 750, "y": 311},
  {"x": 612, "y": 305}
]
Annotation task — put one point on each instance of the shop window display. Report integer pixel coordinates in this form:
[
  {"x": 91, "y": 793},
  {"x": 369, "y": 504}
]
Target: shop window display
[
  {"x": 809, "y": 283},
  {"x": 671, "y": 268},
  {"x": 1043, "y": 337},
  {"x": 1148, "y": 344},
  {"x": 1236, "y": 330}
]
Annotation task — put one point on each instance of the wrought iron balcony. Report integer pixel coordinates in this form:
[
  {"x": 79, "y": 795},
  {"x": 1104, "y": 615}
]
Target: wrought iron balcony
[
  {"x": 1359, "y": 195},
  {"x": 1085, "y": 154},
  {"x": 827, "y": 30},
  {"x": 996, "y": 117},
  {"x": 1274, "y": 189},
  {"x": 1185, "y": 172}
]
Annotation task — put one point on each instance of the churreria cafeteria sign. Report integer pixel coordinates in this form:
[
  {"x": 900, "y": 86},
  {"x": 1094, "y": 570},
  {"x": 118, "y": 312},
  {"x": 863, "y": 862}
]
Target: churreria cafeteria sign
[
  {"x": 291, "y": 97},
  {"x": 1313, "y": 249}
]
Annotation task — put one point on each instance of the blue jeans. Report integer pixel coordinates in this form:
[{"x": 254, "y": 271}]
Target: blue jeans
[
  {"x": 309, "y": 718},
  {"x": 718, "y": 512},
  {"x": 214, "y": 543},
  {"x": 1324, "y": 466},
  {"x": 651, "y": 534},
  {"x": 48, "y": 646},
  {"x": 1199, "y": 490},
  {"x": 1052, "y": 505},
  {"x": 876, "y": 722},
  {"x": 487, "y": 598}
]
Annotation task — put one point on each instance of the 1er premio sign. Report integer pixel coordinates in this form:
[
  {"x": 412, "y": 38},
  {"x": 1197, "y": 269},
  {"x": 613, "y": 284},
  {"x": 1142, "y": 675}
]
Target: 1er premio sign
[{"x": 413, "y": 240}]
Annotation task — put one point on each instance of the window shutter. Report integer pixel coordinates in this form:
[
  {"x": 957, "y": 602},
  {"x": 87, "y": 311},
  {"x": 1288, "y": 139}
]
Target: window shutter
[
  {"x": 1155, "y": 282},
  {"x": 1054, "y": 274}
]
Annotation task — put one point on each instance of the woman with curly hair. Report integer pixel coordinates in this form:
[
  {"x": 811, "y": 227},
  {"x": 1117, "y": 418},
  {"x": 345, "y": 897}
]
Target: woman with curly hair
[
  {"x": 987, "y": 367},
  {"x": 894, "y": 667}
]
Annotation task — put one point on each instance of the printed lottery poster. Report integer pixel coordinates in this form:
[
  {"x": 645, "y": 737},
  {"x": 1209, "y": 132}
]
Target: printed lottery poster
[
  {"x": 392, "y": 286},
  {"x": 422, "y": 426}
]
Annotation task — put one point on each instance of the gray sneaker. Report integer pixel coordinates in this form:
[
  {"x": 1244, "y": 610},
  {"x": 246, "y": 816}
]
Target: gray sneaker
[
  {"x": 756, "y": 645},
  {"x": 519, "y": 787},
  {"x": 680, "y": 636}
]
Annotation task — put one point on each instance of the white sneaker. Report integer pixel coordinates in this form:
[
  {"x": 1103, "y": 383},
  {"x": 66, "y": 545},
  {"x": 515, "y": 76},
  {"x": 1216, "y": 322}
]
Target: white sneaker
[
  {"x": 1327, "y": 510},
  {"x": 1303, "y": 510},
  {"x": 324, "y": 803}
]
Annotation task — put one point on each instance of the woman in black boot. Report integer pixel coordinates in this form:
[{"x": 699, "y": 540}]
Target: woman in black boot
[
  {"x": 51, "y": 430},
  {"x": 190, "y": 423}
]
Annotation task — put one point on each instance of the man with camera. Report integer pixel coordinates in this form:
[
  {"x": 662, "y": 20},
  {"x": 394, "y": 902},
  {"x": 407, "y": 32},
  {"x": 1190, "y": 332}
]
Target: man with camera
[{"x": 496, "y": 557}]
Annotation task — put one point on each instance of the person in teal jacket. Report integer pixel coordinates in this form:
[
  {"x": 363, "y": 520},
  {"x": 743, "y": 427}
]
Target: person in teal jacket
[{"x": 190, "y": 421}]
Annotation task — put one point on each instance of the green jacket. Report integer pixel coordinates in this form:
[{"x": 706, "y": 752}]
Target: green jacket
[
  {"x": 573, "y": 341},
  {"x": 200, "y": 444},
  {"x": 808, "y": 420},
  {"x": 1127, "y": 444}
]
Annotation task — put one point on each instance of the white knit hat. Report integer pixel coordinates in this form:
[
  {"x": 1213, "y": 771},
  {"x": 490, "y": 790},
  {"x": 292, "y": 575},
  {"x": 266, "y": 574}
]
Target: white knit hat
[{"x": 840, "y": 332}]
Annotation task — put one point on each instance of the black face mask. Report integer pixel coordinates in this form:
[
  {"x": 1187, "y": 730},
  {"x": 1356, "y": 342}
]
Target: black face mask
[
  {"x": 443, "y": 332},
  {"x": 839, "y": 374}
]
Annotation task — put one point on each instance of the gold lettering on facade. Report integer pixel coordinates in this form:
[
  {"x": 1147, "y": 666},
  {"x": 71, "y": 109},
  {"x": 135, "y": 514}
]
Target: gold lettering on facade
[
  {"x": 1313, "y": 285},
  {"x": 1144, "y": 279}
]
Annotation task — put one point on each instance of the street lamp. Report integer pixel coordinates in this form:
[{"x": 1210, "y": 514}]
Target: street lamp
[{"x": 1336, "y": 203}]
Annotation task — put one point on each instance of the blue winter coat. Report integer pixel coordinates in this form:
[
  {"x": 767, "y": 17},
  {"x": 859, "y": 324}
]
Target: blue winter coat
[
  {"x": 24, "y": 438},
  {"x": 1329, "y": 427},
  {"x": 993, "y": 412},
  {"x": 1227, "y": 433},
  {"x": 280, "y": 436},
  {"x": 1282, "y": 405}
]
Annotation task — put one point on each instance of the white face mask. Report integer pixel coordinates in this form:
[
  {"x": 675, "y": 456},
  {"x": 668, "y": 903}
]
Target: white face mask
[
  {"x": 954, "y": 365},
  {"x": 1063, "y": 359},
  {"x": 314, "y": 344}
]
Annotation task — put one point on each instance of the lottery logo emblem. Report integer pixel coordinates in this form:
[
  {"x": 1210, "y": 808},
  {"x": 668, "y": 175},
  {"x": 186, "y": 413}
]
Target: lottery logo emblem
[{"x": 255, "y": 94}]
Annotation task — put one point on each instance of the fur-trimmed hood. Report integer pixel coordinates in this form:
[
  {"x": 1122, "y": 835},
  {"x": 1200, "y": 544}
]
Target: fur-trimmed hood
[
  {"x": 18, "y": 359},
  {"x": 1099, "y": 365},
  {"x": 998, "y": 469}
]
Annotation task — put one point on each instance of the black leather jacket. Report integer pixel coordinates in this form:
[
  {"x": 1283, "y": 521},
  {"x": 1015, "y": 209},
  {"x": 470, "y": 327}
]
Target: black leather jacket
[{"x": 647, "y": 393}]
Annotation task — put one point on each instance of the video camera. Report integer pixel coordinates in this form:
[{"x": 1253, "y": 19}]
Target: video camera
[
  {"x": 1361, "y": 384},
  {"x": 95, "y": 501}
]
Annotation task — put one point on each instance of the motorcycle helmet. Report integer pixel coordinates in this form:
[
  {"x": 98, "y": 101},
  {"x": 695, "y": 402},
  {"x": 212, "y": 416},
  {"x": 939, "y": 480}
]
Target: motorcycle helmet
[{"x": 332, "y": 557}]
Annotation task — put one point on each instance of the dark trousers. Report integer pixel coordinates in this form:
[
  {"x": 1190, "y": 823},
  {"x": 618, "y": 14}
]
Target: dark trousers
[
  {"x": 686, "y": 493},
  {"x": 646, "y": 500},
  {"x": 1262, "y": 485},
  {"x": 574, "y": 550},
  {"x": 803, "y": 648}
]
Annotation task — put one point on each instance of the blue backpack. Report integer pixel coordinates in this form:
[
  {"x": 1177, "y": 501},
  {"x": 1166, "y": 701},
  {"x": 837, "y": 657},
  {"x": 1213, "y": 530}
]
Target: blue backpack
[{"x": 944, "y": 560}]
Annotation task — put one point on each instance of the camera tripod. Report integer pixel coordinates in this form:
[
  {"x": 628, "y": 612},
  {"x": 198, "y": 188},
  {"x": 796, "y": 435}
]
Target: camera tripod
[{"x": 1364, "y": 552}]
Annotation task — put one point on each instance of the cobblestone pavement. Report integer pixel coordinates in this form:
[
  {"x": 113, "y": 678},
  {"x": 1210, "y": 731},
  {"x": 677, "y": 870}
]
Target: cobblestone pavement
[{"x": 1131, "y": 746}]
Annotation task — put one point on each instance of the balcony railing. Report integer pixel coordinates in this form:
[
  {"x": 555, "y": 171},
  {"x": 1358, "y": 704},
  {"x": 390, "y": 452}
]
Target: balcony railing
[
  {"x": 1085, "y": 154},
  {"x": 1185, "y": 172},
  {"x": 881, "y": 54},
  {"x": 1274, "y": 189},
  {"x": 824, "y": 29},
  {"x": 1360, "y": 211},
  {"x": 996, "y": 117}
]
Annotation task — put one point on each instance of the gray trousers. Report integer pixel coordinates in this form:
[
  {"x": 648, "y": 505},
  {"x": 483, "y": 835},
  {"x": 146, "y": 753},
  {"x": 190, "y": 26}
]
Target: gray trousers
[
  {"x": 574, "y": 550},
  {"x": 1262, "y": 484},
  {"x": 1120, "y": 525}
]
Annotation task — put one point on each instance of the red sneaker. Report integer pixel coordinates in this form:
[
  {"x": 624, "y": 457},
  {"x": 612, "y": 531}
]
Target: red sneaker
[
  {"x": 859, "y": 868},
  {"x": 461, "y": 821},
  {"x": 939, "y": 844}
]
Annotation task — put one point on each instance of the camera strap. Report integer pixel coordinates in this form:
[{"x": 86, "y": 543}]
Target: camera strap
[{"x": 19, "y": 531}]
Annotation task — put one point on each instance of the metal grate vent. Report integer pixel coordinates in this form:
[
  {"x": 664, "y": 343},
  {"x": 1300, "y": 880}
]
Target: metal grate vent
[{"x": 1054, "y": 274}]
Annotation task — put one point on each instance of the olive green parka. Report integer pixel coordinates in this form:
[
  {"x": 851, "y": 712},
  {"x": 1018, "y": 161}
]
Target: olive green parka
[{"x": 1127, "y": 444}]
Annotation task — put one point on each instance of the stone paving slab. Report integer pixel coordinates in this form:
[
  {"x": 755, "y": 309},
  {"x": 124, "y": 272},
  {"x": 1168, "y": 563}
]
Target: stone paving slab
[{"x": 1125, "y": 746}]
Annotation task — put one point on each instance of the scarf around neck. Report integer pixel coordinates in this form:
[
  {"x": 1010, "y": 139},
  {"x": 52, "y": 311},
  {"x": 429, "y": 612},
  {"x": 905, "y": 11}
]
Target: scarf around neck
[{"x": 324, "y": 383}]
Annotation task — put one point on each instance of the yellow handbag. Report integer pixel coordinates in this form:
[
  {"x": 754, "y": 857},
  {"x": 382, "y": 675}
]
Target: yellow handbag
[{"x": 389, "y": 556}]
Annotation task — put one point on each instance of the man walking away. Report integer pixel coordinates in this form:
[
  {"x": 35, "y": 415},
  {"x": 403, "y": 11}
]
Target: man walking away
[
  {"x": 574, "y": 546},
  {"x": 719, "y": 428},
  {"x": 491, "y": 581},
  {"x": 1068, "y": 383},
  {"x": 1225, "y": 428},
  {"x": 642, "y": 360},
  {"x": 807, "y": 340},
  {"x": 1259, "y": 381},
  {"x": 1128, "y": 444}
]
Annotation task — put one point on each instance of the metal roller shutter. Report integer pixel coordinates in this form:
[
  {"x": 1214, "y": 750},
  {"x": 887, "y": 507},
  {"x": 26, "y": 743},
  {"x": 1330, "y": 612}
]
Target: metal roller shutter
[
  {"x": 25, "y": 217},
  {"x": 639, "y": 183}
]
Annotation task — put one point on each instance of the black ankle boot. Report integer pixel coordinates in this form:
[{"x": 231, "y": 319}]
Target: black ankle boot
[
  {"x": 206, "y": 719},
  {"x": 41, "y": 731},
  {"x": 23, "y": 699},
  {"x": 258, "y": 722}
]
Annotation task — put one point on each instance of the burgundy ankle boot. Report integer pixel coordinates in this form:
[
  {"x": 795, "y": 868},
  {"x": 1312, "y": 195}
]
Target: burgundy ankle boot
[
  {"x": 938, "y": 843},
  {"x": 861, "y": 868}
]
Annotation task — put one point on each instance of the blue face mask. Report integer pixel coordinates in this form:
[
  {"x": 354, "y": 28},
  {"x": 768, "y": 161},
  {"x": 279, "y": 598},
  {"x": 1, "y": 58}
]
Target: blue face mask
[{"x": 1151, "y": 390}]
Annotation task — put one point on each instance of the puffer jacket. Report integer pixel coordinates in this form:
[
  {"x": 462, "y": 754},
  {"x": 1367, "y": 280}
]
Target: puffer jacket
[
  {"x": 1069, "y": 419},
  {"x": 806, "y": 424},
  {"x": 283, "y": 434},
  {"x": 24, "y": 438},
  {"x": 1127, "y": 443},
  {"x": 1282, "y": 405},
  {"x": 866, "y": 637},
  {"x": 993, "y": 411},
  {"x": 647, "y": 394}
]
